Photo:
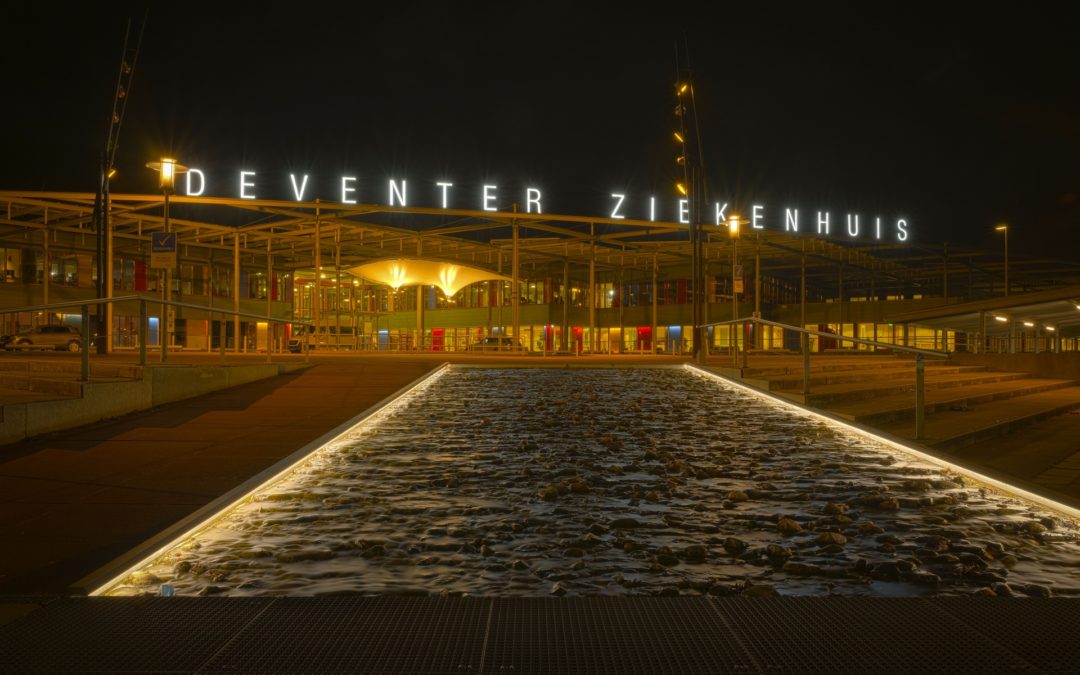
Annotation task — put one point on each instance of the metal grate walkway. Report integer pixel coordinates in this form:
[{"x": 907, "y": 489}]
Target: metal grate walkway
[{"x": 539, "y": 635}]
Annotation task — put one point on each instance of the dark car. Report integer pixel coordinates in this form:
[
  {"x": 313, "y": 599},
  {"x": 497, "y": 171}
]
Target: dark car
[
  {"x": 497, "y": 344},
  {"x": 64, "y": 338}
]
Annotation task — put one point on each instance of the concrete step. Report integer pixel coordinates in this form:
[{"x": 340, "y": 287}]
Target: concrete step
[
  {"x": 898, "y": 407},
  {"x": 831, "y": 396},
  {"x": 952, "y": 430},
  {"x": 900, "y": 372},
  {"x": 45, "y": 385},
  {"x": 1046, "y": 453},
  {"x": 823, "y": 364},
  {"x": 71, "y": 365}
]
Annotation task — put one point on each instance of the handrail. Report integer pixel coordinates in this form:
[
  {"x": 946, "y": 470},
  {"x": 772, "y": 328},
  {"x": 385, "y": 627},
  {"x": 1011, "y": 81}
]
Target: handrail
[
  {"x": 920, "y": 370},
  {"x": 151, "y": 299},
  {"x": 85, "y": 336},
  {"x": 834, "y": 336}
]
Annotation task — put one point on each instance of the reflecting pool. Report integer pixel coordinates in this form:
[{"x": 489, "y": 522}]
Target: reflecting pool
[{"x": 658, "y": 481}]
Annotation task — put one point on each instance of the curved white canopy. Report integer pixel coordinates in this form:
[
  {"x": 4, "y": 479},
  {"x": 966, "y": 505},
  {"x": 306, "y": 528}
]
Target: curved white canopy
[{"x": 398, "y": 272}]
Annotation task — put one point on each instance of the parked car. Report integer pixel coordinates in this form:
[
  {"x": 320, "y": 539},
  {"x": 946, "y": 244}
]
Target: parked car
[
  {"x": 57, "y": 337},
  {"x": 497, "y": 344}
]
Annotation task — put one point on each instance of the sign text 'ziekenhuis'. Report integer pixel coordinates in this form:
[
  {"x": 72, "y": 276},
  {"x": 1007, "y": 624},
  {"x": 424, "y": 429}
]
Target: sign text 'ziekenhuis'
[{"x": 817, "y": 222}]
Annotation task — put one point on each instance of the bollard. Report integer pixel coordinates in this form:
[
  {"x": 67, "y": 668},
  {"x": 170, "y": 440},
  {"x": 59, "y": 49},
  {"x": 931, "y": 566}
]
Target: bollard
[
  {"x": 84, "y": 354},
  {"x": 920, "y": 397}
]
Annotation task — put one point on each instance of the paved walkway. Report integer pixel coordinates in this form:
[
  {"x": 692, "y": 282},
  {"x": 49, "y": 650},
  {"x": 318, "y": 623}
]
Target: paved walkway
[{"x": 73, "y": 501}]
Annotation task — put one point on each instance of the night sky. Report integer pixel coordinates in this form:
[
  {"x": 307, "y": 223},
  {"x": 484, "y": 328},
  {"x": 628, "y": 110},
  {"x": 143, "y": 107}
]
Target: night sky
[{"x": 956, "y": 122}]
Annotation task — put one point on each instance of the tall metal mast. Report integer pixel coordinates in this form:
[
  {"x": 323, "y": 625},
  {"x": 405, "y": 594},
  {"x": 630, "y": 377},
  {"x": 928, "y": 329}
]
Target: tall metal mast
[
  {"x": 128, "y": 58},
  {"x": 693, "y": 189}
]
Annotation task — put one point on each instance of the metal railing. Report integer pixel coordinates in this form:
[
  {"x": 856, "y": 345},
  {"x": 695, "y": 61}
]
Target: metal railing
[
  {"x": 163, "y": 339},
  {"x": 804, "y": 342}
]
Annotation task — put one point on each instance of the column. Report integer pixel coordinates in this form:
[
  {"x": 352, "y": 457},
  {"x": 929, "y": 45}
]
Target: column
[
  {"x": 655, "y": 300},
  {"x": 564, "y": 340},
  {"x": 515, "y": 311},
  {"x": 236, "y": 292}
]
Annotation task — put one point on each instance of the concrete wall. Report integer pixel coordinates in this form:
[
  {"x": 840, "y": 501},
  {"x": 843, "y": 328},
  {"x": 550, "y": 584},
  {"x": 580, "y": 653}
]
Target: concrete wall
[
  {"x": 1060, "y": 366},
  {"x": 103, "y": 400}
]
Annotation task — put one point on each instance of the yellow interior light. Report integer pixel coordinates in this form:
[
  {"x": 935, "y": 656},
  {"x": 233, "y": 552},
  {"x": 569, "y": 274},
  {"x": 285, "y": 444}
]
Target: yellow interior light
[
  {"x": 679, "y": 137},
  {"x": 683, "y": 87},
  {"x": 681, "y": 188}
]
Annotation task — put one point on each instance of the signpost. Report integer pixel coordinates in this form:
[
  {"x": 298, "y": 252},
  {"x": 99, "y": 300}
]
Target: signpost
[{"x": 163, "y": 250}]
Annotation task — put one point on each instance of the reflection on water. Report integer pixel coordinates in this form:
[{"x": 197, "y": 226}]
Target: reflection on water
[{"x": 649, "y": 481}]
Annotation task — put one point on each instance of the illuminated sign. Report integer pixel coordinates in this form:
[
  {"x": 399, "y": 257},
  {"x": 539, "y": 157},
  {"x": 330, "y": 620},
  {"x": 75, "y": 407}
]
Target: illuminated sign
[{"x": 787, "y": 219}]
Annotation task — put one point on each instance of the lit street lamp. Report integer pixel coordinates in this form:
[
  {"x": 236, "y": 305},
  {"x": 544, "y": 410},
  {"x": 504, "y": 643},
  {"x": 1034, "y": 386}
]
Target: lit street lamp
[
  {"x": 1005, "y": 229},
  {"x": 167, "y": 170}
]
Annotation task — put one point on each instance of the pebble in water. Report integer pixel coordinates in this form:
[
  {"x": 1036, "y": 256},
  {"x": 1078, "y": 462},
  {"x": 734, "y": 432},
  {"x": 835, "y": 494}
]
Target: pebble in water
[{"x": 645, "y": 481}]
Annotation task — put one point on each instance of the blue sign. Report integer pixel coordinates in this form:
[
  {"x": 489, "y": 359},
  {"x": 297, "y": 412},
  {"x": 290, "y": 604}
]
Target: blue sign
[{"x": 163, "y": 242}]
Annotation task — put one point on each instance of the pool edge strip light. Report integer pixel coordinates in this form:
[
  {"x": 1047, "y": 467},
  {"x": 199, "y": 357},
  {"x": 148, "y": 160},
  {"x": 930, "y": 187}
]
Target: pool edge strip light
[
  {"x": 995, "y": 483},
  {"x": 206, "y": 516}
]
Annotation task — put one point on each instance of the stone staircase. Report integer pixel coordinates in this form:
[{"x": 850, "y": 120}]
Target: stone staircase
[
  {"x": 1013, "y": 423},
  {"x": 59, "y": 378}
]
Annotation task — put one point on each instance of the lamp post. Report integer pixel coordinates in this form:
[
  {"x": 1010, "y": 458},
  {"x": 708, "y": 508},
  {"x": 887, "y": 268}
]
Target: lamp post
[
  {"x": 733, "y": 231},
  {"x": 1005, "y": 230},
  {"x": 167, "y": 169}
]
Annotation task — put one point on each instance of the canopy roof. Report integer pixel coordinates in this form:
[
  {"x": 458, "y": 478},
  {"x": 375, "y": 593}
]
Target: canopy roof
[{"x": 449, "y": 276}]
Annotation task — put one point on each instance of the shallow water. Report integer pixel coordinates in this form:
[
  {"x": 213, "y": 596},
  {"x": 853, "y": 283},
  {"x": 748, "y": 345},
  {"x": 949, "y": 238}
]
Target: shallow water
[{"x": 619, "y": 481}]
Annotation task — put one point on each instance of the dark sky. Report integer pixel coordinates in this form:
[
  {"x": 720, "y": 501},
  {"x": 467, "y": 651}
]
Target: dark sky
[{"x": 954, "y": 121}]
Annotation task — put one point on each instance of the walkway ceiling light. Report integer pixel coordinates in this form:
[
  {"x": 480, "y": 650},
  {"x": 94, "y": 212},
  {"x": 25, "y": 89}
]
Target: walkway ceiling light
[
  {"x": 1002, "y": 319},
  {"x": 1050, "y": 328},
  {"x": 1029, "y": 324}
]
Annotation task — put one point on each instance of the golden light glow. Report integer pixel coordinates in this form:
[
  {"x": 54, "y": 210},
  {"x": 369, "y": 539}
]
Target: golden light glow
[
  {"x": 1029, "y": 324},
  {"x": 168, "y": 173},
  {"x": 1002, "y": 319},
  {"x": 1001, "y": 228},
  {"x": 112, "y": 172},
  {"x": 449, "y": 277},
  {"x": 679, "y": 137},
  {"x": 1050, "y": 328},
  {"x": 683, "y": 87},
  {"x": 733, "y": 225},
  {"x": 681, "y": 188}
]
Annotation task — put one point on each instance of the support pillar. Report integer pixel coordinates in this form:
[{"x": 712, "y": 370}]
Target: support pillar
[
  {"x": 236, "y": 292},
  {"x": 515, "y": 273},
  {"x": 564, "y": 340},
  {"x": 270, "y": 326},
  {"x": 316, "y": 291},
  {"x": 655, "y": 300},
  {"x": 592, "y": 290}
]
